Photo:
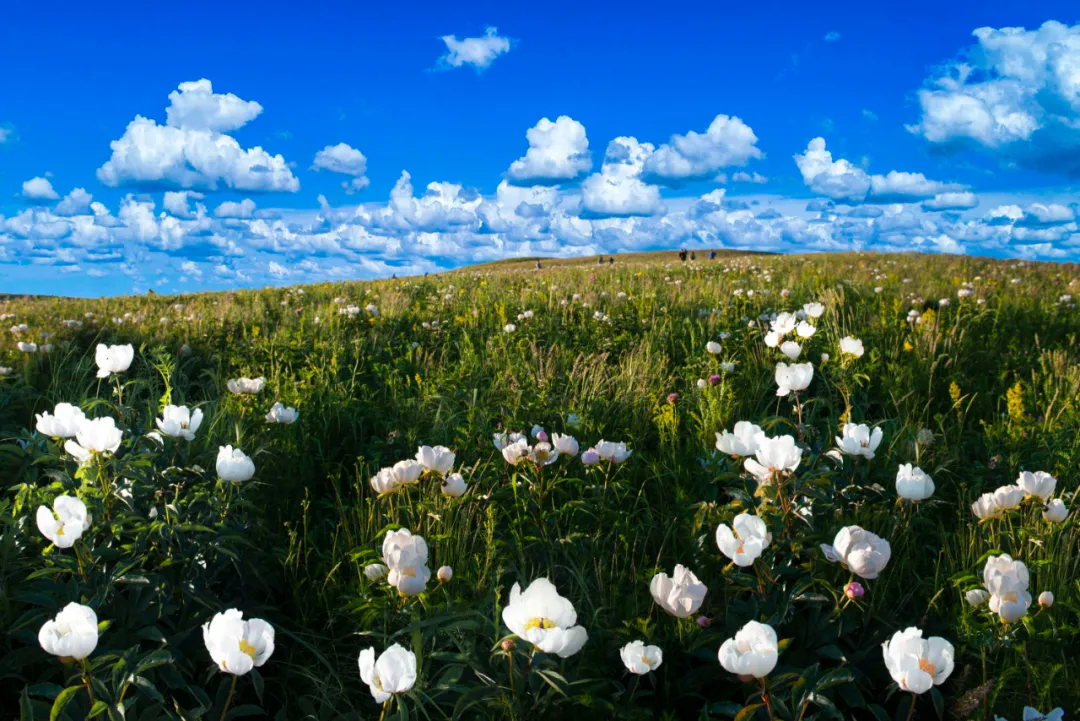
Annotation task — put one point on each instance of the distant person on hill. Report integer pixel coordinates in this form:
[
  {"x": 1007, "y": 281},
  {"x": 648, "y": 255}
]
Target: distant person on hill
[
  {"x": 712, "y": 254},
  {"x": 538, "y": 266},
  {"x": 693, "y": 255},
  {"x": 611, "y": 260},
  {"x": 600, "y": 260},
  {"x": 682, "y": 255}
]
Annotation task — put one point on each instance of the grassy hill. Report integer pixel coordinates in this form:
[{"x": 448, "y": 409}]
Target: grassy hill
[{"x": 970, "y": 368}]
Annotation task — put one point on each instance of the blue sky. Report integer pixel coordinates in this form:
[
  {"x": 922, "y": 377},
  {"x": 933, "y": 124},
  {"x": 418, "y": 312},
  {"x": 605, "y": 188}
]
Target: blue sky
[{"x": 649, "y": 130}]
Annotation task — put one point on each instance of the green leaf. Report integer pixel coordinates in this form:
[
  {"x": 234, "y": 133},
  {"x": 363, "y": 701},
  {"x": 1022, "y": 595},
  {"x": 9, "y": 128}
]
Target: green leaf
[
  {"x": 257, "y": 681},
  {"x": 26, "y": 711},
  {"x": 939, "y": 702},
  {"x": 748, "y": 712},
  {"x": 97, "y": 709},
  {"x": 63, "y": 699}
]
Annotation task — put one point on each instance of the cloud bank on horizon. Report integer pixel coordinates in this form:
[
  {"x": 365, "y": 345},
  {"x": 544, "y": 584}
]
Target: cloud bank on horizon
[{"x": 199, "y": 208}]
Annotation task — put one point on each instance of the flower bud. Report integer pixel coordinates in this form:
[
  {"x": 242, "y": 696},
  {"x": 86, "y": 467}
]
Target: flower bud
[
  {"x": 854, "y": 590},
  {"x": 1046, "y": 599},
  {"x": 445, "y": 574},
  {"x": 375, "y": 571}
]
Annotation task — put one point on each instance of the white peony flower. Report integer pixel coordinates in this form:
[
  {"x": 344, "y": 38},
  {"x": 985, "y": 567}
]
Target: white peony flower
[
  {"x": 986, "y": 507},
  {"x": 437, "y": 459},
  {"x": 863, "y": 553},
  {"x": 234, "y": 465},
  {"x": 280, "y": 414},
  {"x": 913, "y": 483},
  {"x": 99, "y": 436},
  {"x": 179, "y": 422},
  {"x": 791, "y": 349},
  {"x": 113, "y": 359},
  {"x": 641, "y": 659},
  {"x": 63, "y": 423},
  {"x": 393, "y": 672},
  {"x": 746, "y": 542},
  {"x": 517, "y": 451},
  {"x": 406, "y": 556},
  {"x": 773, "y": 456},
  {"x": 793, "y": 378},
  {"x": 753, "y": 652},
  {"x": 915, "y": 663},
  {"x": 453, "y": 485},
  {"x": 1039, "y": 485},
  {"x": 1007, "y": 581},
  {"x": 741, "y": 441},
  {"x": 236, "y": 645},
  {"x": 611, "y": 451},
  {"x": 1055, "y": 511},
  {"x": 545, "y": 619},
  {"x": 65, "y": 522},
  {"x": 851, "y": 346},
  {"x": 681, "y": 595},
  {"x": 245, "y": 386},
  {"x": 72, "y": 634},
  {"x": 1009, "y": 498},
  {"x": 565, "y": 445},
  {"x": 859, "y": 440}
]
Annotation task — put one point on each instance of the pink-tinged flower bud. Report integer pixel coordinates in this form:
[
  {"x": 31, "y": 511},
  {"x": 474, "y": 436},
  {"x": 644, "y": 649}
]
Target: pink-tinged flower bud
[
  {"x": 854, "y": 590},
  {"x": 704, "y": 621},
  {"x": 542, "y": 436},
  {"x": 590, "y": 457},
  {"x": 714, "y": 380},
  {"x": 672, "y": 397}
]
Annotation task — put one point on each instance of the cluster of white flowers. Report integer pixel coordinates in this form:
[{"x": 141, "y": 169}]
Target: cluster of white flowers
[
  {"x": 1038, "y": 485},
  {"x": 436, "y": 460}
]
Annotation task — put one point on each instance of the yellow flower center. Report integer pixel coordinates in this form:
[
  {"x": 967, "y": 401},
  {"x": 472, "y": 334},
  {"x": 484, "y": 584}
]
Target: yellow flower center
[
  {"x": 645, "y": 660},
  {"x": 247, "y": 648},
  {"x": 925, "y": 665},
  {"x": 60, "y": 531},
  {"x": 539, "y": 622}
]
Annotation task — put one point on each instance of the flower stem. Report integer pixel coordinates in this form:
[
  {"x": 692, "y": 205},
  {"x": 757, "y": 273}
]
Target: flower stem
[
  {"x": 86, "y": 680},
  {"x": 911, "y": 710},
  {"x": 228, "y": 701},
  {"x": 766, "y": 698}
]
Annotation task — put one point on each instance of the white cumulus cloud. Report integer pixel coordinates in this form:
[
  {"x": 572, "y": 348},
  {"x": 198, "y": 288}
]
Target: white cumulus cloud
[
  {"x": 191, "y": 151},
  {"x": 558, "y": 152},
  {"x": 77, "y": 202},
  {"x": 964, "y": 200},
  {"x": 842, "y": 180},
  {"x": 727, "y": 142},
  {"x": 617, "y": 190},
  {"x": 38, "y": 189},
  {"x": 479, "y": 52},
  {"x": 229, "y": 209},
  {"x": 347, "y": 160},
  {"x": 1014, "y": 94}
]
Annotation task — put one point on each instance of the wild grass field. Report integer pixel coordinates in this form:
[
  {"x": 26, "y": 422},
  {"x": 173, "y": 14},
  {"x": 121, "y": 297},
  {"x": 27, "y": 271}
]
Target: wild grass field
[{"x": 928, "y": 405}]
